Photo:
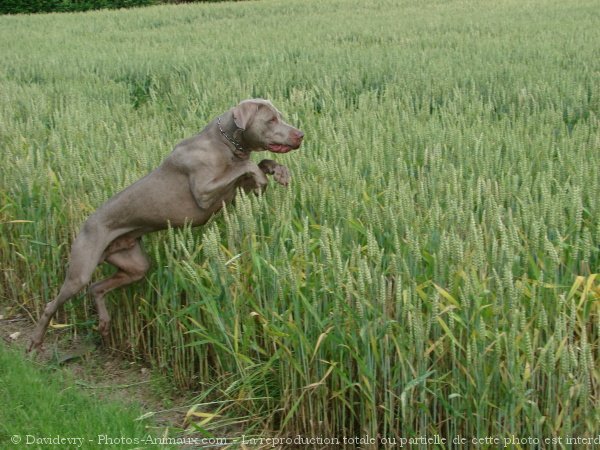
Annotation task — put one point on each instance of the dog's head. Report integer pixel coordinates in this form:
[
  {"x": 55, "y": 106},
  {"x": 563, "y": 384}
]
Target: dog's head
[{"x": 264, "y": 128}]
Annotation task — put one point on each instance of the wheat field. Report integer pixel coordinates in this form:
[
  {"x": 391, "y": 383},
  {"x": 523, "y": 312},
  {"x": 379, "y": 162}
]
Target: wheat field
[{"x": 431, "y": 270}]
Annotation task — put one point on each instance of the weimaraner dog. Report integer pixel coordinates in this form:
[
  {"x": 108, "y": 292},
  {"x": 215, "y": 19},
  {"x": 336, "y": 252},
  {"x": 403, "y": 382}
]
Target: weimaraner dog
[{"x": 200, "y": 175}]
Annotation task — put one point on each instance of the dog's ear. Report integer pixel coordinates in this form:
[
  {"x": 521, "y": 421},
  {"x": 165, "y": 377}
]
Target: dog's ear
[{"x": 244, "y": 113}]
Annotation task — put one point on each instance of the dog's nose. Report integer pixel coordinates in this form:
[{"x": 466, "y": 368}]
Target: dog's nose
[{"x": 296, "y": 138}]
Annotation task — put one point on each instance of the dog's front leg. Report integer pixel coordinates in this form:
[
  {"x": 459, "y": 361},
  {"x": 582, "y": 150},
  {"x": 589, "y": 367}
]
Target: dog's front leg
[
  {"x": 208, "y": 191},
  {"x": 280, "y": 173}
]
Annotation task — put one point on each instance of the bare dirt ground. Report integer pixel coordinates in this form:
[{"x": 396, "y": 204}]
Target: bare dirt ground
[
  {"x": 102, "y": 371},
  {"x": 106, "y": 374}
]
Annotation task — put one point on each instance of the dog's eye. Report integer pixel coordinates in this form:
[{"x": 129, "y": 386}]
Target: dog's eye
[{"x": 273, "y": 119}]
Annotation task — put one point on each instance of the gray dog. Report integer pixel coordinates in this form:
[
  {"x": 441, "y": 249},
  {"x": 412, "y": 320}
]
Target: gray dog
[{"x": 193, "y": 182}]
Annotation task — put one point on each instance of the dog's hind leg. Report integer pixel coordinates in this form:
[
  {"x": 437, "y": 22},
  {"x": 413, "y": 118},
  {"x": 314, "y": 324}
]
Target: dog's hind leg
[
  {"x": 86, "y": 254},
  {"x": 132, "y": 263}
]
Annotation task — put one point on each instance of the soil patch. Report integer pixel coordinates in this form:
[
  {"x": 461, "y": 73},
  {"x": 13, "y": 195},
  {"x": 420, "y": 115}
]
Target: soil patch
[{"x": 102, "y": 371}]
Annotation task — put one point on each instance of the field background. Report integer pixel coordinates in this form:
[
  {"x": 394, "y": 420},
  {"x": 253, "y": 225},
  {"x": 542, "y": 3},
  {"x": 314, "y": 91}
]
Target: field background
[{"x": 430, "y": 270}]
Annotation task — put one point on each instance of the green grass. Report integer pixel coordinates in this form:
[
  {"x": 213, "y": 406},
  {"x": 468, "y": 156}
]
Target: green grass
[
  {"x": 39, "y": 404},
  {"x": 432, "y": 267}
]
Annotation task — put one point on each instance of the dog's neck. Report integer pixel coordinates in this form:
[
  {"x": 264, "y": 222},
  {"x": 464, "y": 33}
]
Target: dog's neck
[{"x": 235, "y": 145}]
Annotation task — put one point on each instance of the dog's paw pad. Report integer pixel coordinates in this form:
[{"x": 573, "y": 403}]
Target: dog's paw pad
[{"x": 281, "y": 174}]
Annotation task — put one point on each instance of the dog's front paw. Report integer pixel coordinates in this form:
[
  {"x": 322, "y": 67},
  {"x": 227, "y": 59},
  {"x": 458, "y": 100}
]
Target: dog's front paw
[{"x": 281, "y": 174}]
